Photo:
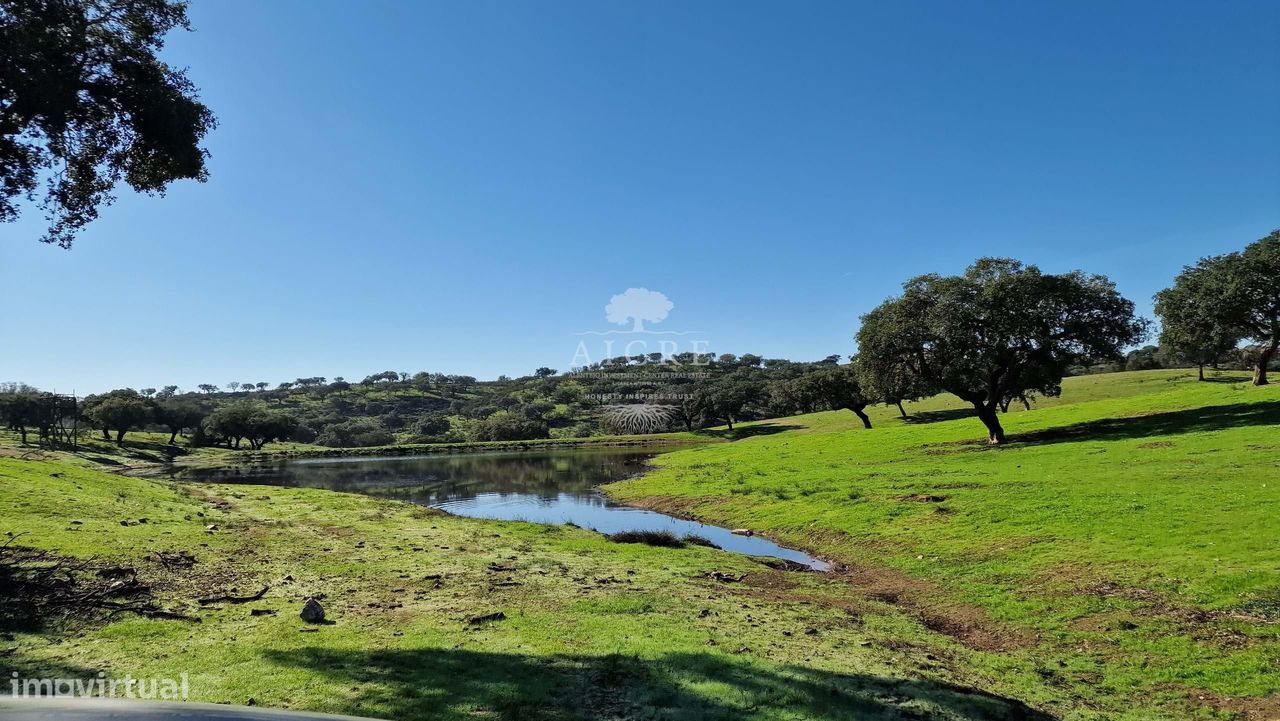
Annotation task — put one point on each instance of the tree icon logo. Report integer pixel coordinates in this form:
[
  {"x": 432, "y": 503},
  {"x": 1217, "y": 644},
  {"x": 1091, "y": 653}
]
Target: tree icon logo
[{"x": 638, "y": 305}]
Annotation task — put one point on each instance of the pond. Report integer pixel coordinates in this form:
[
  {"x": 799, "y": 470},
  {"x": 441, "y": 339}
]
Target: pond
[{"x": 553, "y": 487}]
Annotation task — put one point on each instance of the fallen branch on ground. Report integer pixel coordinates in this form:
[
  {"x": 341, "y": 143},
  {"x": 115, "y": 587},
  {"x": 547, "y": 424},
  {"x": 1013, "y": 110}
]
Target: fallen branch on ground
[{"x": 234, "y": 599}]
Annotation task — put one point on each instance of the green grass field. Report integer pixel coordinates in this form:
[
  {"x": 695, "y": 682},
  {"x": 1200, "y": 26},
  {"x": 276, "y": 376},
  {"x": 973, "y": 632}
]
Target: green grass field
[
  {"x": 1118, "y": 560},
  {"x": 1129, "y": 531}
]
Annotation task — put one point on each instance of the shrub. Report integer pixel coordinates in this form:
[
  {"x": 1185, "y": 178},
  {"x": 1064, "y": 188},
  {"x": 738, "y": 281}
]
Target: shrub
[
  {"x": 662, "y": 539},
  {"x": 303, "y": 434},
  {"x": 249, "y": 420},
  {"x": 696, "y": 540},
  {"x": 355, "y": 433},
  {"x": 431, "y": 426},
  {"x": 503, "y": 426}
]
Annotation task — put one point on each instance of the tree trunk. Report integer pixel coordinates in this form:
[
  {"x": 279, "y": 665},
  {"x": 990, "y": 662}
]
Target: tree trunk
[
  {"x": 987, "y": 414},
  {"x": 173, "y": 437},
  {"x": 1025, "y": 402},
  {"x": 1201, "y": 371},
  {"x": 729, "y": 422},
  {"x": 902, "y": 411},
  {"x": 857, "y": 411},
  {"x": 106, "y": 433},
  {"x": 120, "y": 438},
  {"x": 23, "y": 431},
  {"x": 1264, "y": 359}
]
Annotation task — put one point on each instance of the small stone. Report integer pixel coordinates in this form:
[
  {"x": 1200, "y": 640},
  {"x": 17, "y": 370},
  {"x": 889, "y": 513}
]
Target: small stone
[
  {"x": 312, "y": 611},
  {"x": 743, "y": 532}
]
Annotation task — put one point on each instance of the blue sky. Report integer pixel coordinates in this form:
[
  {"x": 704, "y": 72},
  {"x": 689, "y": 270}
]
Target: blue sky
[{"x": 462, "y": 187}]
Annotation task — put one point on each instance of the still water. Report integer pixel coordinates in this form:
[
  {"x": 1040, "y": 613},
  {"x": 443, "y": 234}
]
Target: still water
[{"x": 544, "y": 487}]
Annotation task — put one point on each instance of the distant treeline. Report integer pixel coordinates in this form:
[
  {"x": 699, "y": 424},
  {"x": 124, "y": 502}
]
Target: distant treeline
[{"x": 1003, "y": 332}]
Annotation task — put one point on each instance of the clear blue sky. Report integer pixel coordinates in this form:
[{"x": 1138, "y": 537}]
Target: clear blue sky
[{"x": 462, "y": 187}]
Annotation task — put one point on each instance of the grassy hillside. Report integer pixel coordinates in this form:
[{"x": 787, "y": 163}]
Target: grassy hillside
[
  {"x": 592, "y": 629},
  {"x": 1123, "y": 537},
  {"x": 1113, "y": 562}
]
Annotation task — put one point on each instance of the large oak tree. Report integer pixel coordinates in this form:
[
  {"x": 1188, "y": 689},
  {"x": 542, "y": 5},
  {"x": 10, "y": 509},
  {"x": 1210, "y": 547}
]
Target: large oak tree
[
  {"x": 1250, "y": 283},
  {"x": 1001, "y": 330},
  {"x": 833, "y": 387},
  {"x": 121, "y": 410},
  {"x": 1223, "y": 299},
  {"x": 1193, "y": 326}
]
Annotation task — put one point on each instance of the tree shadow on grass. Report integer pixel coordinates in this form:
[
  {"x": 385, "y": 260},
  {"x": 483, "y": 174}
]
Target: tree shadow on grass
[
  {"x": 949, "y": 414},
  {"x": 1191, "y": 420},
  {"x": 31, "y": 669},
  {"x": 737, "y": 434},
  {"x": 443, "y": 684},
  {"x": 1232, "y": 379}
]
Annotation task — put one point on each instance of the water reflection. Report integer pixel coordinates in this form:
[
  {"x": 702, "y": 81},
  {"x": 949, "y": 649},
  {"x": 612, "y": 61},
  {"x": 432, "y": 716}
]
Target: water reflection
[{"x": 545, "y": 487}]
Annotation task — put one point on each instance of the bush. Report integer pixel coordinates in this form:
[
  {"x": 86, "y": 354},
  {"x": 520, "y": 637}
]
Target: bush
[
  {"x": 432, "y": 426},
  {"x": 303, "y": 434},
  {"x": 662, "y": 539},
  {"x": 538, "y": 410},
  {"x": 355, "y": 433},
  {"x": 503, "y": 426},
  {"x": 696, "y": 540},
  {"x": 249, "y": 420}
]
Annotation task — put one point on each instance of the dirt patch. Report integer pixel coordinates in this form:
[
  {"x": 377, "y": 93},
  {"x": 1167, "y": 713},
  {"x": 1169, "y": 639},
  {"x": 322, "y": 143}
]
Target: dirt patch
[
  {"x": 923, "y": 498},
  {"x": 1204, "y": 625},
  {"x": 775, "y": 580},
  {"x": 1156, "y": 444},
  {"x": 972, "y": 627},
  {"x": 1105, "y": 622},
  {"x": 968, "y": 624},
  {"x": 1246, "y": 708},
  {"x": 671, "y": 505}
]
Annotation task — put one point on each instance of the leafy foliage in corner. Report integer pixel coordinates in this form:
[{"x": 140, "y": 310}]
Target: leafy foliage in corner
[{"x": 85, "y": 102}]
